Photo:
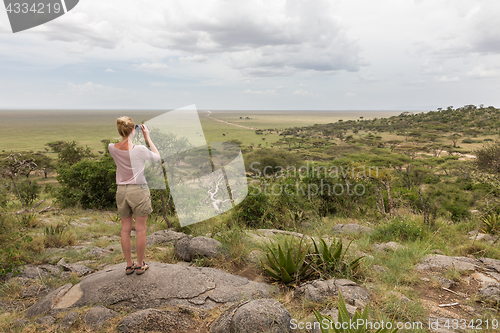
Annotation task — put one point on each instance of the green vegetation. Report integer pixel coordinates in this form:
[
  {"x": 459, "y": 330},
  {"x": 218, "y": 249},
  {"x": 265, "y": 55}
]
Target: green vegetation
[
  {"x": 412, "y": 178},
  {"x": 345, "y": 322},
  {"x": 331, "y": 261}
]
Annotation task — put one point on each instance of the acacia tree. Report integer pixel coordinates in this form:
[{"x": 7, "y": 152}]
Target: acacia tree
[{"x": 15, "y": 165}]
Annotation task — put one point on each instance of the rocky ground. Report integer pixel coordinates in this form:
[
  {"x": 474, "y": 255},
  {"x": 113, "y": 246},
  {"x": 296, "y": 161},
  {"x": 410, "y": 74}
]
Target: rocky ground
[{"x": 182, "y": 297}]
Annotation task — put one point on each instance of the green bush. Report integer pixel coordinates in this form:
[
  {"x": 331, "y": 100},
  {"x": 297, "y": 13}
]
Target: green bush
[
  {"x": 399, "y": 229},
  {"x": 29, "y": 191},
  {"x": 12, "y": 242},
  {"x": 252, "y": 209},
  {"x": 92, "y": 184},
  {"x": 458, "y": 210}
]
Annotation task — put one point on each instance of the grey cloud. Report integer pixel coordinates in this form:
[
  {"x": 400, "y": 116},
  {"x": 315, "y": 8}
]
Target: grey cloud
[{"x": 296, "y": 37}]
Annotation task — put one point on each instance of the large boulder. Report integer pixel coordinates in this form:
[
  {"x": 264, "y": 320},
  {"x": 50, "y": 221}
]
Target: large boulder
[
  {"x": 48, "y": 302},
  {"x": 156, "y": 320},
  {"x": 188, "y": 247},
  {"x": 162, "y": 284},
  {"x": 262, "y": 315}
]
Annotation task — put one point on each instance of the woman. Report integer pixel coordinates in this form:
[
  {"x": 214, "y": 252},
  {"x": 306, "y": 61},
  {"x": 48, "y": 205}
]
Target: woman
[{"x": 132, "y": 194}]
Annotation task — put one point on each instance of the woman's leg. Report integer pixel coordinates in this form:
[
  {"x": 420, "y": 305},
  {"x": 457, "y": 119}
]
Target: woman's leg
[
  {"x": 125, "y": 239},
  {"x": 140, "y": 239}
]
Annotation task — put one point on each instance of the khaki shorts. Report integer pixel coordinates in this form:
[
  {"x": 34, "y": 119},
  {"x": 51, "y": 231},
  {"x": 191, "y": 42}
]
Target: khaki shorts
[{"x": 133, "y": 199}]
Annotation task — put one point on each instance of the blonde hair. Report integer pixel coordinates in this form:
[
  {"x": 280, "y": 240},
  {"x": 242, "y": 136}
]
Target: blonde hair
[{"x": 125, "y": 126}]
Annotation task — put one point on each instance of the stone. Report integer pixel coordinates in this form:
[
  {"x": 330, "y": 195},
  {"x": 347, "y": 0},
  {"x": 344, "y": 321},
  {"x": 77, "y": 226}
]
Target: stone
[
  {"x": 351, "y": 229},
  {"x": 96, "y": 317},
  {"x": 255, "y": 256},
  {"x": 379, "y": 269},
  {"x": 110, "y": 223},
  {"x": 114, "y": 247},
  {"x": 181, "y": 247},
  {"x": 483, "y": 237},
  {"x": 163, "y": 237},
  {"x": 491, "y": 264},
  {"x": 188, "y": 247},
  {"x": 20, "y": 322},
  {"x": 262, "y": 315},
  {"x": 35, "y": 291},
  {"x": 483, "y": 279},
  {"x": 491, "y": 293},
  {"x": 98, "y": 252},
  {"x": 156, "y": 320},
  {"x": 79, "y": 270},
  {"x": 68, "y": 320},
  {"x": 48, "y": 302},
  {"x": 45, "y": 321},
  {"x": 444, "y": 282},
  {"x": 390, "y": 246},
  {"x": 437, "y": 262},
  {"x": 321, "y": 290},
  {"x": 162, "y": 285}
]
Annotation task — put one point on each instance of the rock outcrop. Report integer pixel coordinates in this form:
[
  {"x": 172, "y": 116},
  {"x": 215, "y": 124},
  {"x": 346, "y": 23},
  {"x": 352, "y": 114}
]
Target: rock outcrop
[{"x": 162, "y": 284}]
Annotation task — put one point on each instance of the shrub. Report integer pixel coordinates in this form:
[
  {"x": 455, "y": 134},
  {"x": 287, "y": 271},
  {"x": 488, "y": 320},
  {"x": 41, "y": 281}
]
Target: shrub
[
  {"x": 458, "y": 210},
  {"x": 59, "y": 236},
  {"x": 92, "y": 184},
  {"x": 29, "y": 191},
  {"x": 399, "y": 229},
  {"x": 10, "y": 251},
  {"x": 252, "y": 209}
]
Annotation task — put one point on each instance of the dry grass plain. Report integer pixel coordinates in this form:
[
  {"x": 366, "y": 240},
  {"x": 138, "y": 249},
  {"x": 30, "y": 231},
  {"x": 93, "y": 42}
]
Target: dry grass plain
[{"x": 25, "y": 130}]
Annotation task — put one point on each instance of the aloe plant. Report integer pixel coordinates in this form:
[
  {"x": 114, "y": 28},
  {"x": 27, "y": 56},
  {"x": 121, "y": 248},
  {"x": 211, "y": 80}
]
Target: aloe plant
[
  {"x": 286, "y": 267},
  {"x": 491, "y": 224},
  {"x": 331, "y": 259},
  {"x": 356, "y": 324}
]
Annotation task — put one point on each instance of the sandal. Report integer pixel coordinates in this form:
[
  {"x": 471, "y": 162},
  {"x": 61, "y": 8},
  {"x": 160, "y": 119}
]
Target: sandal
[
  {"x": 130, "y": 269},
  {"x": 141, "y": 269}
]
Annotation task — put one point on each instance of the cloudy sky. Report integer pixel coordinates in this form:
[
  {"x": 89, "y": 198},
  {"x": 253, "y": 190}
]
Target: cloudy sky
[{"x": 256, "y": 55}]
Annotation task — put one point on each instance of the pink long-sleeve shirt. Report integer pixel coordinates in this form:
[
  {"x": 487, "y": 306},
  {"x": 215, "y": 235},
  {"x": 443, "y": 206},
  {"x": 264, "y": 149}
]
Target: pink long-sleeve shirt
[{"x": 130, "y": 163}]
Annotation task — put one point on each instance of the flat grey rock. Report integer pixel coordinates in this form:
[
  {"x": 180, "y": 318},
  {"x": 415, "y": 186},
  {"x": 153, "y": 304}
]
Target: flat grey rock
[
  {"x": 492, "y": 264},
  {"x": 351, "y": 229},
  {"x": 390, "y": 246},
  {"x": 437, "y": 262},
  {"x": 156, "y": 320},
  {"x": 79, "y": 270},
  {"x": 68, "y": 320},
  {"x": 491, "y": 293},
  {"x": 321, "y": 290},
  {"x": 37, "y": 290},
  {"x": 96, "y": 317},
  {"x": 163, "y": 237},
  {"x": 45, "y": 321},
  {"x": 97, "y": 252},
  {"x": 262, "y": 315},
  {"x": 162, "y": 284}
]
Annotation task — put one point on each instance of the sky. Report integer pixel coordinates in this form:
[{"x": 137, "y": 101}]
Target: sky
[{"x": 256, "y": 55}]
